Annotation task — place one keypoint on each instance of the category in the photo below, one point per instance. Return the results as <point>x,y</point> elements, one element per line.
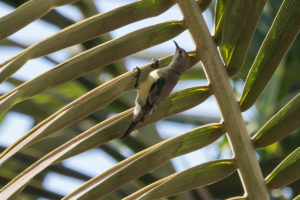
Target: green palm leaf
<point>73,117</point>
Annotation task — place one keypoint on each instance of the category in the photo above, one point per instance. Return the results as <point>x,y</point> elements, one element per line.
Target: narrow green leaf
<point>235,26</point>
<point>221,7</point>
<point>173,104</point>
<point>281,35</point>
<point>286,172</point>
<point>280,125</point>
<point>34,187</point>
<point>106,131</point>
<point>83,106</point>
<point>237,198</point>
<point>92,27</point>
<point>189,179</point>
<point>21,159</point>
<point>297,197</point>
<point>152,158</point>
<point>27,13</point>
<point>92,59</point>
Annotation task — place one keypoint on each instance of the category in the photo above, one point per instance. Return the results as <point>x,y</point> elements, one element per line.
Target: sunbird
<point>157,85</point>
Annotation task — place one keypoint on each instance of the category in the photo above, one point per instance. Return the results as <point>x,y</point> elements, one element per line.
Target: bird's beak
<point>177,47</point>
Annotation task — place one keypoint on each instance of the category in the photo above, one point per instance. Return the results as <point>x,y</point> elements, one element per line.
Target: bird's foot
<point>137,75</point>
<point>155,63</point>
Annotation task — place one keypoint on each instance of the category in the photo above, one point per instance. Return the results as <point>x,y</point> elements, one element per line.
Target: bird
<point>157,86</point>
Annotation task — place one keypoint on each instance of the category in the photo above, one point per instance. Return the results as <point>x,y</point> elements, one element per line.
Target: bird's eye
<point>180,51</point>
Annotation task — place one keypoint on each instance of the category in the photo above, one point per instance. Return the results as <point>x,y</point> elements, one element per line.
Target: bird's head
<point>181,57</point>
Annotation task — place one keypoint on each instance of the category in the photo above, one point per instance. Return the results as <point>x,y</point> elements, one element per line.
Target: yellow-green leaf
<point>147,160</point>
<point>83,106</point>
<point>89,60</point>
<point>286,172</point>
<point>281,35</point>
<point>27,13</point>
<point>106,131</point>
<point>189,179</point>
<point>91,27</point>
<point>280,125</point>
<point>235,25</point>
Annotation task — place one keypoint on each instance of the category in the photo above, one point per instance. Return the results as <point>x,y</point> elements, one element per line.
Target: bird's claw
<point>137,75</point>
<point>155,63</point>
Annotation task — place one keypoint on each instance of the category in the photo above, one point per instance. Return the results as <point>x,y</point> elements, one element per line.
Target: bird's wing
<point>155,90</point>
<point>152,100</point>
<point>150,105</point>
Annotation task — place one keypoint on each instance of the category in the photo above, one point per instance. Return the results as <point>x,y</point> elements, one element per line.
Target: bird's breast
<point>145,86</point>
<point>154,75</point>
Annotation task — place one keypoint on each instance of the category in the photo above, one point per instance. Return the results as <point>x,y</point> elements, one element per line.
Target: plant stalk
<point>243,151</point>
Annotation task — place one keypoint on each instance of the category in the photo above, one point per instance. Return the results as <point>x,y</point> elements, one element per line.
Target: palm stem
<point>243,150</point>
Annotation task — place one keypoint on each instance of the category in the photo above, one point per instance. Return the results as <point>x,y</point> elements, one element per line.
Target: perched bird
<point>158,85</point>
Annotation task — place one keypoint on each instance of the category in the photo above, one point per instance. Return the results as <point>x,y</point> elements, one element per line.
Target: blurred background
<point>63,178</point>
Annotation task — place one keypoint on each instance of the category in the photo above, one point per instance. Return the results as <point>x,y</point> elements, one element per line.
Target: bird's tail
<point>128,131</point>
